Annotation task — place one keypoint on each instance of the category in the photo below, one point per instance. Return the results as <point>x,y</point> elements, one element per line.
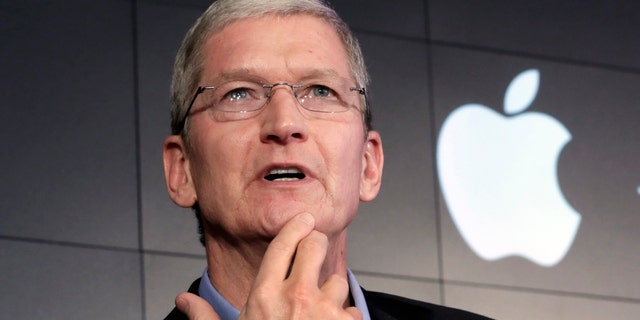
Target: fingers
<point>300,250</point>
<point>195,307</point>
<point>282,248</point>
<point>309,259</point>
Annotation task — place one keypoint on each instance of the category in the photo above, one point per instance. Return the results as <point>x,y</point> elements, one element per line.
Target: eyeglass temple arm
<point>360,90</point>
<point>186,114</point>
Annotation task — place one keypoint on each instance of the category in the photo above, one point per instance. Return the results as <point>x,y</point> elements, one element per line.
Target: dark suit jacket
<point>384,306</point>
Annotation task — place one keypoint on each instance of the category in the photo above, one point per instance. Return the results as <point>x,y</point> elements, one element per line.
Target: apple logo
<point>498,176</point>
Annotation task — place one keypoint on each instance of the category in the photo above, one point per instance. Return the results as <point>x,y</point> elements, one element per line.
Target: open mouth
<point>284,174</point>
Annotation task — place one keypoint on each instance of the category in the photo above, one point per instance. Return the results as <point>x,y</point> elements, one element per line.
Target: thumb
<point>195,307</point>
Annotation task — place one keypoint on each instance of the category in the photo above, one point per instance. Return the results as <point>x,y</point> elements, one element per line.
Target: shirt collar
<point>228,312</point>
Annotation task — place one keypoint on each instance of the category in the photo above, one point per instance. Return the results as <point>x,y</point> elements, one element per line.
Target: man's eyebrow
<point>236,74</point>
<point>319,73</point>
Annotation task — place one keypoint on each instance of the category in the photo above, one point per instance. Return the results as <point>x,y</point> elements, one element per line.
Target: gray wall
<point>88,231</point>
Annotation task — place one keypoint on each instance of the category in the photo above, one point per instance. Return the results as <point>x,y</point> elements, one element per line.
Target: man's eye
<point>236,94</point>
<point>321,91</point>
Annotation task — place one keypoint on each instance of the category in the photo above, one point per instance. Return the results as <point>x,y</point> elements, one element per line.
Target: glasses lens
<point>326,95</point>
<point>234,96</point>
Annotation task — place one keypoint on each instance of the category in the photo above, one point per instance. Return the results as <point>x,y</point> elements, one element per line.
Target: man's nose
<point>283,120</point>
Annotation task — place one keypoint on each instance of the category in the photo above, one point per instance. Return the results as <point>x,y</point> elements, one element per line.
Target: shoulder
<point>384,306</point>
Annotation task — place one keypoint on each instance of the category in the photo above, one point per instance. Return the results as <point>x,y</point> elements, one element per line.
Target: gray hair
<point>189,62</point>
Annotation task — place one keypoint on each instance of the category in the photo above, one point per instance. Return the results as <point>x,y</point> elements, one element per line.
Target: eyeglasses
<point>239,99</point>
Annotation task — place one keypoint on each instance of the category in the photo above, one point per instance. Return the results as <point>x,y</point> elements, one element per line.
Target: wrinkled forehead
<point>290,46</point>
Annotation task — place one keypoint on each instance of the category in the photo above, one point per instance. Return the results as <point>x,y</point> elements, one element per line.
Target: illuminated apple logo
<point>499,177</point>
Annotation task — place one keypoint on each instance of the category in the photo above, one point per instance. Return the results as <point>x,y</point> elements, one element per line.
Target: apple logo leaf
<point>521,91</point>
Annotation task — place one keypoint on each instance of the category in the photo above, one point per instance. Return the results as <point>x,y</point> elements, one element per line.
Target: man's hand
<point>283,290</point>
<point>282,294</point>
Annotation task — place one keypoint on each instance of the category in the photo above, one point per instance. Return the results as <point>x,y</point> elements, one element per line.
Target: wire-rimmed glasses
<point>240,99</point>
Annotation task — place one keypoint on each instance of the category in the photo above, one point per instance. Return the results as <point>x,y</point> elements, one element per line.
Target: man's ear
<point>372,163</point>
<point>177,172</point>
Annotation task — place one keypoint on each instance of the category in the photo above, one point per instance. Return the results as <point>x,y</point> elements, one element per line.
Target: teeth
<point>284,174</point>
<point>286,179</point>
<point>284,171</point>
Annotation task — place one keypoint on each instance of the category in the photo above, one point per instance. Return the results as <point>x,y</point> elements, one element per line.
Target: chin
<point>274,217</point>
<point>271,216</point>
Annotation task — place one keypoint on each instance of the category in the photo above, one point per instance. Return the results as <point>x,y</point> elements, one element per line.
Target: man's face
<point>228,162</point>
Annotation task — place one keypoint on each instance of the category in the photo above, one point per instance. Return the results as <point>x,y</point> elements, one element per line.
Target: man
<point>272,146</point>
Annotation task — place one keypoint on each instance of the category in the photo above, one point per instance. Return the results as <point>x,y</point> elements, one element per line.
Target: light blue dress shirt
<point>228,312</point>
